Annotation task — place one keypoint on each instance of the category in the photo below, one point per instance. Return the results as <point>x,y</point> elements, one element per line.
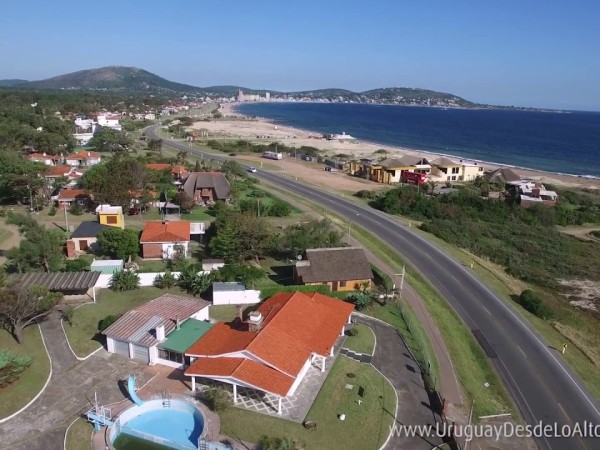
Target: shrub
<point>67,314</point>
<point>353,332</point>
<point>107,321</point>
<point>124,280</point>
<point>360,299</point>
<point>535,305</point>
<point>279,208</point>
<point>81,264</point>
<point>75,209</point>
<point>192,282</point>
<point>218,399</point>
<point>370,195</point>
<point>11,367</point>
<point>52,211</point>
<point>165,281</point>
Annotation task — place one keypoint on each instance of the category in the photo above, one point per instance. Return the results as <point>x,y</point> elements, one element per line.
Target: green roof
<point>189,332</point>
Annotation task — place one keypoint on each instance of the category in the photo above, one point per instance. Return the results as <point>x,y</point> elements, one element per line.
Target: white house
<point>83,159</point>
<point>160,331</point>
<point>109,121</point>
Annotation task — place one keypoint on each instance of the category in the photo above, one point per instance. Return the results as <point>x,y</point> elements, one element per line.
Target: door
<point>83,245</point>
<point>141,353</point>
<point>121,348</point>
<point>334,286</point>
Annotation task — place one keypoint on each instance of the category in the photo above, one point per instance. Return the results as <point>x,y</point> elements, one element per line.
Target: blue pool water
<point>169,424</point>
<point>178,425</point>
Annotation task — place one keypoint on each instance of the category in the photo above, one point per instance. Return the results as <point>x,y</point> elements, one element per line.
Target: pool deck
<point>164,381</point>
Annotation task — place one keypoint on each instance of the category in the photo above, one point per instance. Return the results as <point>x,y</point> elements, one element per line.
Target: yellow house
<point>341,268</point>
<point>447,170</point>
<point>389,171</point>
<point>111,216</point>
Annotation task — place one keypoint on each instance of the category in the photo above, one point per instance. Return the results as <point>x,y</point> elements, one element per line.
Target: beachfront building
<point>207,187</point>
<point>392,170</point>
<point>529,193</point>
<point>165,240</point>
<point>271,351</point>
<point>446,169</point>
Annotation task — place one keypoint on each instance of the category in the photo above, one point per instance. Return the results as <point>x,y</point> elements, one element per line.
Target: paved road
<point>544,388</point>
<point>393,360</point>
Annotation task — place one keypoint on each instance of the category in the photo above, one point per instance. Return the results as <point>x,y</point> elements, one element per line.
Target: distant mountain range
<point>134,80</point>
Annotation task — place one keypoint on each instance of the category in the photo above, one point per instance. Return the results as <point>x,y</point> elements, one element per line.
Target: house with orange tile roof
<point>275,347</point>
<point>178,172</point>
<point>83,158</point>
<point>53,173</point>
<point>165,239</point>
<point>68,197</point>
<point>49,160</point>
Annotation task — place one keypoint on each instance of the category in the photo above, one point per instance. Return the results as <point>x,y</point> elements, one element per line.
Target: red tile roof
<point>175,170</point>
<point>245,371</point>
<point>57,171</point>
<point>72,194</point>
<point>175,231</point>
<point>83,155</point>
<point>294,326</point>
<point>42,157</point>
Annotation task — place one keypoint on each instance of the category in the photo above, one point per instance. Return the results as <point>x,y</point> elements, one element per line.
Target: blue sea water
<point>566,143</point>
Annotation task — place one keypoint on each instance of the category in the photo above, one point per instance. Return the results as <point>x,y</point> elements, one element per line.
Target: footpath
<point>448,385</point>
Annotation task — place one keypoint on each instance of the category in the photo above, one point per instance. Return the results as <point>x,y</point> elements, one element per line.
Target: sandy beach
<point>236,126</point>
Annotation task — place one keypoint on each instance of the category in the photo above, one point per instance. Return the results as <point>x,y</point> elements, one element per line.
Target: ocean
<point>565,143</point>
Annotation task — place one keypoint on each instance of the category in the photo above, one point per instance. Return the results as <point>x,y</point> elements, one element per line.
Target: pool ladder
<point>166,403</point>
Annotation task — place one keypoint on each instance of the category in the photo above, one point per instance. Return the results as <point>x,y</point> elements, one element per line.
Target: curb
<point>6,419</point>
<point>67,338</point>
<point>395,412</point>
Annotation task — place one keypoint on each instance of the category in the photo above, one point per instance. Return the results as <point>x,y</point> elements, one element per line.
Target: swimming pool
<point>169,423</point>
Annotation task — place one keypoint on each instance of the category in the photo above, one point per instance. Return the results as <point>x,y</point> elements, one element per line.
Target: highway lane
<point>543,387</point>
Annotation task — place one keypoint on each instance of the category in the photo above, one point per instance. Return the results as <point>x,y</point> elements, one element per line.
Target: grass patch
<point>83,334</point>
<point>79,436</point>
<point>363,342</point>
<point>4,234</point>
<point>366,426</point>
<point>223,313</point>
<point>152,266</point>
<point>16,395</point>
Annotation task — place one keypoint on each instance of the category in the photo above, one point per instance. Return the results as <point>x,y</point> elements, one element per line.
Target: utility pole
<point>66,219</point>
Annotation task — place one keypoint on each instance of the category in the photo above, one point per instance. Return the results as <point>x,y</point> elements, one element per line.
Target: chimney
<point>255,320</point>
<point>89,154</point>
<point>177,323</point>
<point>240,313</point>
<point>44,154</point>
<point>160,333</point>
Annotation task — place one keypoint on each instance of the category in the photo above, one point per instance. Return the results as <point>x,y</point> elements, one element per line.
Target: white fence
<point>246,297</point>
<point>146,279</point>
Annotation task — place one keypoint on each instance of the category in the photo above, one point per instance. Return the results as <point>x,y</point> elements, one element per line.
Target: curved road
<point>544,388</point>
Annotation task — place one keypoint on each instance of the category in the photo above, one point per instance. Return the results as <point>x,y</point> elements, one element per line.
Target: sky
<point>525,53</point>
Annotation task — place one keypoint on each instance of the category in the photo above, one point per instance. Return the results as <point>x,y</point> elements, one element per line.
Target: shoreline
<point>365,147</point>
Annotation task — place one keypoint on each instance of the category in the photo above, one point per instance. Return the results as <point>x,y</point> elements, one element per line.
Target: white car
<point>252,169</point>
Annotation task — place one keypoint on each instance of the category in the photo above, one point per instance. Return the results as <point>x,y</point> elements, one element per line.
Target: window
<point>342,284</point>
<point>170,355</point>
<point>455,169</point>
<point>111,219</point>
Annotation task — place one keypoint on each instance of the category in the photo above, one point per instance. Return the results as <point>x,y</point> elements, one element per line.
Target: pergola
<point>69,283</point>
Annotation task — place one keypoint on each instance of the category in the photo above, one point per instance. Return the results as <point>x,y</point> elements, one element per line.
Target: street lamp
<point>485,385</point>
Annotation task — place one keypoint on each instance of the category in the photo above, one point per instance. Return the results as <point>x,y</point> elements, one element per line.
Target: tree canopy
<point>109,140</point>
<point>119,244</point>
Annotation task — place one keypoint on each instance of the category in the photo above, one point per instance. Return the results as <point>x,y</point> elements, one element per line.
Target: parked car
<point>252,169</point>
<point>134,211</point>
<point>233,154</point>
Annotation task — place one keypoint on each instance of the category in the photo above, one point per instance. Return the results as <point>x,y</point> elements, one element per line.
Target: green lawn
<point>79,436</point>
<point>152,266</point>
<point>83,334</point>
<point>19,393</point>
<point>363,342</point>
<point>366,425</point>
<point>222,313</point>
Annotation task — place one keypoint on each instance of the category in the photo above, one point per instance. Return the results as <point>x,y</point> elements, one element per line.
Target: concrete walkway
<point>393,360</point>
<point>72,386</point>
<point>448,385</point>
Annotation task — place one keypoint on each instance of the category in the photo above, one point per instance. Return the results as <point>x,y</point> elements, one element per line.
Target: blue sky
<point>530,53</point>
